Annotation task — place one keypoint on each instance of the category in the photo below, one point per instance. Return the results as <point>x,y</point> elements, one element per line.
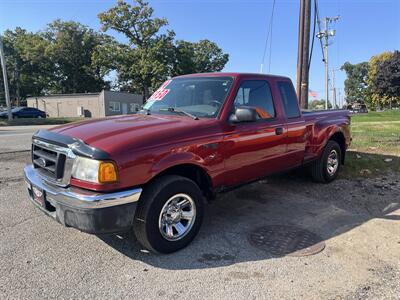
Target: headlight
<point>94,170</point>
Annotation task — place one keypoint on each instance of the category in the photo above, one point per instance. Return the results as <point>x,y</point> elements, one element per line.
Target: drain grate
<point>282,240</point>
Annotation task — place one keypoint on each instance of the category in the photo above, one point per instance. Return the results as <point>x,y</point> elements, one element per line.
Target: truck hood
<point>122,133</point>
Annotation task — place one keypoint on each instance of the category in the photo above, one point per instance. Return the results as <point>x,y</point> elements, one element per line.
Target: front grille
<point>48,161</point>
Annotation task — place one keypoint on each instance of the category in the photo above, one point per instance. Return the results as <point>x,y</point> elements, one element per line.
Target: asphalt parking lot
<point>358,220</point>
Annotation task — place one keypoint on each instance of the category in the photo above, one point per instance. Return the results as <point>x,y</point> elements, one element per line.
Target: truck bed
<point>320,114</point>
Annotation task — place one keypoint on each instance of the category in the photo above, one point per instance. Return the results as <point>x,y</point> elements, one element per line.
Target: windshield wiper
<point>179,111</point>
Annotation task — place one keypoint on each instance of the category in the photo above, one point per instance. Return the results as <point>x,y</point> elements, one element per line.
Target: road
<point>17,138</point>
<point>358,220</point>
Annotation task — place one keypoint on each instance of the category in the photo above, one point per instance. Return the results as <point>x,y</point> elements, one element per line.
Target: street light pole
<point>4,68</point>
<point>326,64</point>
<point>333,89</point>
<point>325,34</point>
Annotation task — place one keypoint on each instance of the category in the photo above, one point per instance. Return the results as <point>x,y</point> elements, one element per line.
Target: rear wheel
<point>327,167</point>
<point>169,214</point>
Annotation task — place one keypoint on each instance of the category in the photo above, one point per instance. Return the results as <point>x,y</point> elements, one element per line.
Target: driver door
<point>255,149</point>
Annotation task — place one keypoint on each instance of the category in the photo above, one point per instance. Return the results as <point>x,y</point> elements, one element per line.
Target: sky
<point>239,27</point>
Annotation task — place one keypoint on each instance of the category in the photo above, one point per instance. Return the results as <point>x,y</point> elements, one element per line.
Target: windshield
<point>199,96</point>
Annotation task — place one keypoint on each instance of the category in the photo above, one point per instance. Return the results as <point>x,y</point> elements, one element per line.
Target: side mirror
<point>244,114</point>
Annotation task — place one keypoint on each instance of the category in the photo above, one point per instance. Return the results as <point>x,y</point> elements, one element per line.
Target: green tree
<point>143,63</point>
<point>374,98</point>
<point>28,67</point>
<point>387,81</point>
<point>57,60</point>
<point>150,57</point>
<point>200,57</point>
<point>355,85</point>
<point>318,104</point>
<point>68,57</point>
<point>71,46</point>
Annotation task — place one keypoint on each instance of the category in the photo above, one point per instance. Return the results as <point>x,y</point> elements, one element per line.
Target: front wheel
<point>169,214</point>
<point>327,167</point>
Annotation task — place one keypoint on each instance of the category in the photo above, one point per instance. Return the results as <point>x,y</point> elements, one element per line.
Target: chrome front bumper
<point>88,211</point>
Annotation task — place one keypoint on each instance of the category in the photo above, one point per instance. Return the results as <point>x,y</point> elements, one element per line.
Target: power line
<point>319,28</point>
<point>270,47</point>
<point>338,37</point>
<point>269,32</point>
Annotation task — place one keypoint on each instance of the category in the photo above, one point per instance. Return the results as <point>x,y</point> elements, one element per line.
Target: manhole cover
<point>281,240</point>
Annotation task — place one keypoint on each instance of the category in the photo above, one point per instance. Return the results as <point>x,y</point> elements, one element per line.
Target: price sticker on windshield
<point>161,92</point>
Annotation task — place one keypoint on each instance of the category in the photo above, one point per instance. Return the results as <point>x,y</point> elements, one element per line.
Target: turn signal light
<point>107,172</point>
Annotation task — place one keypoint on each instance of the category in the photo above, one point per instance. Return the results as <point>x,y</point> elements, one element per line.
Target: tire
<point>320,170</point>
<point>15,117</point>
<point>156,207</point>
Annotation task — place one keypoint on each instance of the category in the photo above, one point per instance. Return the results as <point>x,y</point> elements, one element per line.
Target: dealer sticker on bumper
<point>38,195</point>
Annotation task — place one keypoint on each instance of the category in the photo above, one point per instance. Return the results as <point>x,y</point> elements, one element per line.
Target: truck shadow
<point>290,199</point>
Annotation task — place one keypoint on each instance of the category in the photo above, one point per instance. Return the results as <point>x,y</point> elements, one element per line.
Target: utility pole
<point>326,66</point>
<point>4,68</point>
<point>333,89</point>
<point>303,52</point>
<point>17,94</point>
<point>300,50</point>
<point>325,34</point>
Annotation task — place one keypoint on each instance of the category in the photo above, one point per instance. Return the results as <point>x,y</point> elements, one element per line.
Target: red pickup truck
<point>197,135</point>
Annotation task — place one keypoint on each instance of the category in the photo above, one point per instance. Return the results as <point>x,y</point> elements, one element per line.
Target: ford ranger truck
<point>196,136</point>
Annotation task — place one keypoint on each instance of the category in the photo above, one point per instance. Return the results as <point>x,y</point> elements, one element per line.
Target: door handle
<point>278,131</point>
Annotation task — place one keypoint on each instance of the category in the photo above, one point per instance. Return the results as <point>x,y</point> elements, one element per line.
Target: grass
<point>377,132</point>
<point>375,149</point>
<point>389,115</point>
<point>29,121</point>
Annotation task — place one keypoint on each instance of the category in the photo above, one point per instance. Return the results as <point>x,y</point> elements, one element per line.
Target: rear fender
<point>323,131</point>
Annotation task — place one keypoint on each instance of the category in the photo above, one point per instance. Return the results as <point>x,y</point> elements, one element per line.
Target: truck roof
<point>232,74</point>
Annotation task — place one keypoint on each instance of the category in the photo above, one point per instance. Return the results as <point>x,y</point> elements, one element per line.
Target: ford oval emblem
<point>41,162</point>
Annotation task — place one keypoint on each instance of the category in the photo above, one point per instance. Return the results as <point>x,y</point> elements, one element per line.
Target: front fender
<point>175,159</point>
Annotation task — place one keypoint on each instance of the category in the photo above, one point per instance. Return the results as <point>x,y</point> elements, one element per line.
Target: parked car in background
<point>357,107</point>
<point>24,112</point>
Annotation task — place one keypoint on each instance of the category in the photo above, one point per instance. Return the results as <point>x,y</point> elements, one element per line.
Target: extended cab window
<point>256,93</point>
<point>289,99</point>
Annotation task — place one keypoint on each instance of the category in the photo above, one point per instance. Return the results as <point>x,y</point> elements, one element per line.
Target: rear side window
<point>289,99</point>
<point>256,93</point>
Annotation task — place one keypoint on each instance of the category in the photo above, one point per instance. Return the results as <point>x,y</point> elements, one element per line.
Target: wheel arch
<point>193,172</point>
<point>339,138</point>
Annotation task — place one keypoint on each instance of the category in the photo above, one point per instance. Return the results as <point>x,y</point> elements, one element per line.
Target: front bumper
<point>88,211</point>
